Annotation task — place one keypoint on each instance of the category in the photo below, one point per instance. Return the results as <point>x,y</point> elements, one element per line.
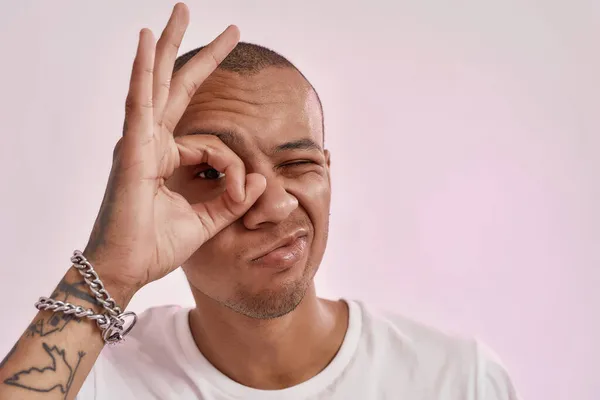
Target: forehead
<point>265,109</point>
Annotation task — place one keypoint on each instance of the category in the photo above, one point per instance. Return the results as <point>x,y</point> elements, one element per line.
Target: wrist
<point>121,294</point>
<point>79,293</point>
<point>119,285</point>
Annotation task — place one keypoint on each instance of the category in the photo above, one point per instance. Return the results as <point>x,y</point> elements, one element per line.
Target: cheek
<point>314,195</point>
<point>225,248</point>
<point>210,265</point>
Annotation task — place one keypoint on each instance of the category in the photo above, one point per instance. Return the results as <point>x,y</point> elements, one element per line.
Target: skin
<point>156,216</point>
<point>259,113</point>
<point>269,315</point>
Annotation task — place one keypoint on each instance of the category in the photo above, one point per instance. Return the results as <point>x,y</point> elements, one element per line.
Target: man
<point>222,170</point>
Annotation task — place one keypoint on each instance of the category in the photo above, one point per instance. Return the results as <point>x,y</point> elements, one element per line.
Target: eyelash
<point>222,175</point>
<point>300,162</point>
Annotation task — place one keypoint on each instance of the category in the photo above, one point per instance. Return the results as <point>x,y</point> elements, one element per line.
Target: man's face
<point>273,122</point>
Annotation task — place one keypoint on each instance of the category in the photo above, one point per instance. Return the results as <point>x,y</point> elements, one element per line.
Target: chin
<point>268,303</point>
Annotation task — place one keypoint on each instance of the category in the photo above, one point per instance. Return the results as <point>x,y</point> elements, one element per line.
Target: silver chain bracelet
<point>111,323</point>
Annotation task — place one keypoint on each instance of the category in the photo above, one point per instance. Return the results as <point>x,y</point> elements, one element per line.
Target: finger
<point>138,105</point>
<point>200,149</point>
<point>187,80</point>
<point>166,53</point>
<point>222,211</point>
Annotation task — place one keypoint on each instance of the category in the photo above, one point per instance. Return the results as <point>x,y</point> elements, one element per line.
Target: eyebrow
<point>300,144</point>
<point>227,137</point>
<point>232,139</point>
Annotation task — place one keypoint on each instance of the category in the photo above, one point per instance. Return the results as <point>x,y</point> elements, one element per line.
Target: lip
<point>284,253</point>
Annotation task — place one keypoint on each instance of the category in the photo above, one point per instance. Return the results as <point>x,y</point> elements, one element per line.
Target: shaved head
<point>249,59</point>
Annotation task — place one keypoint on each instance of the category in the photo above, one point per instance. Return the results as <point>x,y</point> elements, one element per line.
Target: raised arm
<point>143,230</point>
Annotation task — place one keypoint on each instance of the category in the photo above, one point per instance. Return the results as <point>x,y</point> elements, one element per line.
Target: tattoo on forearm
<point>56,376</point>
<point>45,326</point>
<point>56,322</point>
<point>78,290</point>
<point>10,353</point>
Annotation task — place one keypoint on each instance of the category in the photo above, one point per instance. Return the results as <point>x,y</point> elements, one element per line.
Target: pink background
<point>465,140</point>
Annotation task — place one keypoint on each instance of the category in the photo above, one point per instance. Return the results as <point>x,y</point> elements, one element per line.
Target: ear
<point>328,158</point>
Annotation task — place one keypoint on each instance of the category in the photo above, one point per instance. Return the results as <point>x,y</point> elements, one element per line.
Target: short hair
<point>248,59</point>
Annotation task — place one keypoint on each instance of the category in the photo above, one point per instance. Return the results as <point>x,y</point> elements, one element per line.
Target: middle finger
<point>188,79</point>
<point>166,53</point>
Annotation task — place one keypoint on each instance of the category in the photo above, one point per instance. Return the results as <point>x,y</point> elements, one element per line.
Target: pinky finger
<point>138,105</point>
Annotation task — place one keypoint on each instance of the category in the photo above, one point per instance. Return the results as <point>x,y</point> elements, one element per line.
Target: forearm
<point>57,351</point>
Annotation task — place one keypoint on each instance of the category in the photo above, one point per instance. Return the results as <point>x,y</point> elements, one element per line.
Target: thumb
<point>222,211</point>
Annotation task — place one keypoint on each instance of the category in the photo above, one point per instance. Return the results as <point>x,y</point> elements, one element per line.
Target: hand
<point>144,230</point>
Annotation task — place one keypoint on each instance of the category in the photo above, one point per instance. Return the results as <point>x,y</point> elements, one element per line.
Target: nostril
<point>273,206</point>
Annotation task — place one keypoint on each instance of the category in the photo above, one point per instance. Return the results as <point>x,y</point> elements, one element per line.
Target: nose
<point>272,207</point>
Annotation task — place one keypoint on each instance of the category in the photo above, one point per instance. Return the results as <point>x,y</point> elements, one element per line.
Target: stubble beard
<point>272,303</point>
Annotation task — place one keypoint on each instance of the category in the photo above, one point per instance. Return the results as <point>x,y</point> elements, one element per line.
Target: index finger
<point>211,150</point>
<point>187,80</point>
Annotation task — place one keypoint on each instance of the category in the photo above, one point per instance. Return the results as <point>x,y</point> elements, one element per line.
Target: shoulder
<point>155,329</point>
<point>495,381</point>
<point>154,341</point>
<point>157,320</point>
<point>434,356</point>
<point>416,337</point>
<point>152,348</point>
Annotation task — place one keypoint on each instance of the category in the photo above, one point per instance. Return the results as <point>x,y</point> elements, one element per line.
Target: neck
<point>284,351</point>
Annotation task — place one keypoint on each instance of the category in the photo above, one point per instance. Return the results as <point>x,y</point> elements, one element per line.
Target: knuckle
<point>167,125</point>
<point>165,43</point>
<point>139,67</point>
<point>211,140</point>
<point>209,152</point>
<point>190,88</point>
<point>211,57</point>
<point>166,84</point>
<point>149,103</point>
<point>206,222</point>
<point>117,149</point>
<point>132,104</point>
<point>129,103</point>
<point>129,109</point>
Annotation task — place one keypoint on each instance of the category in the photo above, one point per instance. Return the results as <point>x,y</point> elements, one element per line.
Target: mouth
<point>285,252</point>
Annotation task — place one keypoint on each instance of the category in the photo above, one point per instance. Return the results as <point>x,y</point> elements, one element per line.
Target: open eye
<point>210,174</point>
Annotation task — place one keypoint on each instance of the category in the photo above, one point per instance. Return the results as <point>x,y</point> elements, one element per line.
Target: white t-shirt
<point>382,357</point>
